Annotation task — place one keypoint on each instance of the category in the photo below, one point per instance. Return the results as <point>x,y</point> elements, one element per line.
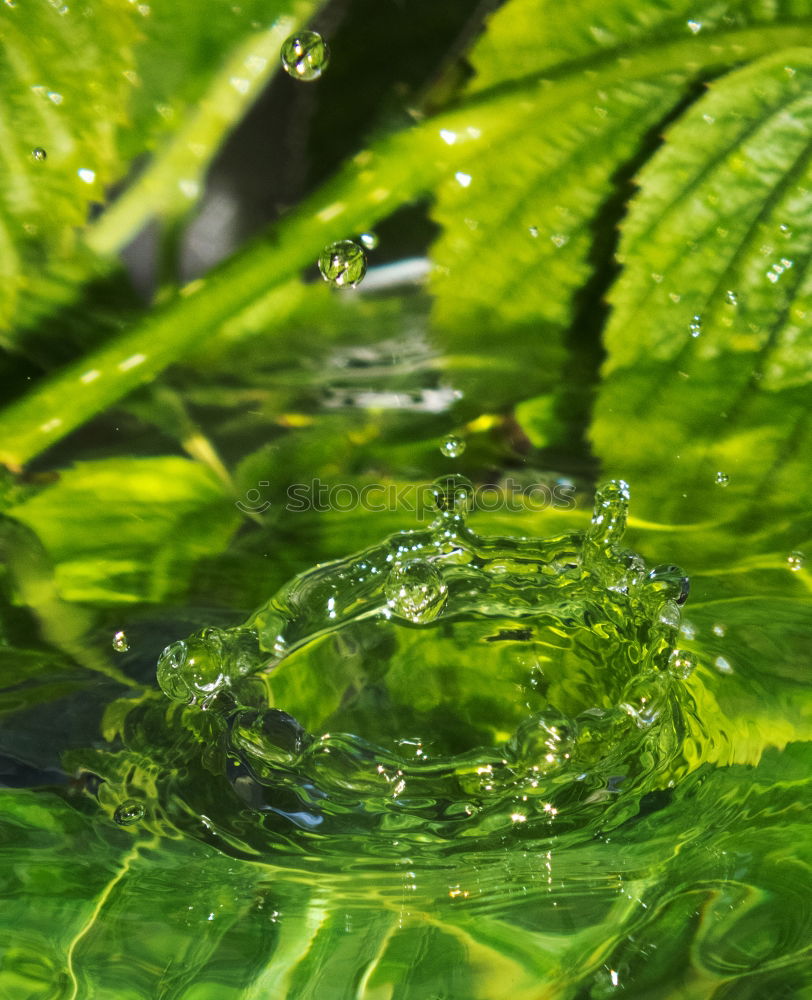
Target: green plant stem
<point>397,169</point>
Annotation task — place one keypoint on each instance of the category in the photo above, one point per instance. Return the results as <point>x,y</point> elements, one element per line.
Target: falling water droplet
<point>695,326</point>
<point>39,154</point>
<point>681,664</point>
<point>671,582</point>
<point>609,514</point>
<point>453,495</point>
<point>796,561</point>
<point>343,264</point>
<point>305,55</point>
<point>415,590</point>
<point>120,642</point>
<point>129,812</point>
<point>722,479</point>
<point>452,447</point>
<point>369,240</point>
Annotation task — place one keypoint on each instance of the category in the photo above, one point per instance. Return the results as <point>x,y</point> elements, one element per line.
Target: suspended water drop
<point>369,240</point>
<point>695,326</point>
<point>39,154</point>
<point>305,55</point>
<point>796,560</point>
<point>609,514</point>
<point>671,582</point>
<point>722,479</point>
<point>453,495</point>
<point>129,812</point>
<point>120,642</point>
<point>415,590</point>
<point>681,664</point>
<point>343,264</point>
<point>452,447</point>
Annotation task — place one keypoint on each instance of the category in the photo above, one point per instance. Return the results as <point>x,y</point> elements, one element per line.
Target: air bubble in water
<point>120,642</point>
<point>343,264</point>
<point>453,495</point>
<point>369,240</point>
<point>416,591</point>
<point>452,447</point>
<point>722,479</point>
<point>129,812</point>
<point>671,582</point>
<point>796,561</point>
<point>39,154</point>
<point>305,55</point>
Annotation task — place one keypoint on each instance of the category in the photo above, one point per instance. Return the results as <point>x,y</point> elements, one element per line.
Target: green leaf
<point>527,221</point>
<point>129,530</point>
<point>707,373</point>
<point>143,71</point>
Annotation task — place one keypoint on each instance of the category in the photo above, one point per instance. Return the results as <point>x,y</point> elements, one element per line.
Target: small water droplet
<point>129,812</point>
<point>343,264</point>
<point>796,561</point>
<point>39,154</point>
<point>695,326</point>
<point>681,664</point>
<point>415,590</point>
<point>719,629</point>
<point>120,642</point>
<point>785,230</point>
<point>533,230</point>
<point>305,55</point>
<point>723,665</point>
<point>694,27</point>
<point>731,298</point>
<point>453,495</point>
<point>671,582</point>
<point>369,240</point>
<point>722,479</point>
<point>452,447</point>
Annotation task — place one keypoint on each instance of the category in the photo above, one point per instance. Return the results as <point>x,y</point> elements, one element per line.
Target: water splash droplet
<point>681,664</point>
<point>671,582</point>
<point>453,495</point>
<point>343,264</point>
<point>39,154</point>
<point>722,479</point>
<point>695,326</point>
<point>129,812</point>
<point>369,240</point>
<point>452,447</point>
<point>305,55</point>
<point>415,590</point>
<point>609,514</point>
<point>796,561</point>
<point>641,700</point>
<point>120,642</point>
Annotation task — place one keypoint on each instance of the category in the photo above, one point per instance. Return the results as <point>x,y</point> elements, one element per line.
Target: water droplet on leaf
<point>452,447</point>
<point>796,561</point>
<point>416,591</point>
<point>695,326</point>
<point>120,642</point>
<point>731,298</point>
<point>129,812</point>
<point>343,264</point>
<point>722,479</point>
<point>39,154</point>
<point>305,55</point>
